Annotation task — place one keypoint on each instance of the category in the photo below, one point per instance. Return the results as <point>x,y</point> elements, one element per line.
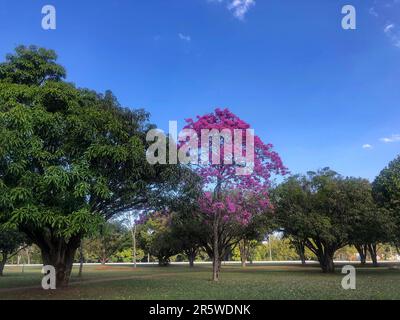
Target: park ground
<point>257,282</point>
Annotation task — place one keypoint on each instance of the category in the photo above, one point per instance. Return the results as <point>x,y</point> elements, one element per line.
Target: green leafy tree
<point>69,158</point>
<point>155,237</point>
<point>386,192</point>
<point>251,234</point>
<point>126,255</point>
<point>370,225</point>
<point>189,230</point>
<point>11,242</point>
<point>319,210</point>
<point>111,238</point>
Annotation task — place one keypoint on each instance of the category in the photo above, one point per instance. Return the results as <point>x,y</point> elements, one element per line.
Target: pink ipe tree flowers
<point>231,198</point>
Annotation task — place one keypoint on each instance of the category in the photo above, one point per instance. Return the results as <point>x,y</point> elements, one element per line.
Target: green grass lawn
<point>181,282</point>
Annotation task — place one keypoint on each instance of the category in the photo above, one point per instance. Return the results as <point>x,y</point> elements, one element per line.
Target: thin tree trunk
<point>28,255</point>
<point>191,262</point>
<point>300,249</point>
<point>81,259</point>
<point>243,252</point>
<point>3,263</point>
<point>103,258</point>
<point>362,251</point>
<point>270,248</point>
<point>216,257</point>
<point>302,257</point>
<point>373,253</point>
<point>191,254</point>
<point>133,231</point>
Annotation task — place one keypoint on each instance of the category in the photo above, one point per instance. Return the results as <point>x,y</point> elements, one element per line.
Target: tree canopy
<point>326,211</point>
<point>386,192</point>
<point>70,158</point>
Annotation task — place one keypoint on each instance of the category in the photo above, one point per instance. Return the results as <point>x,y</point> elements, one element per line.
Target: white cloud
<point>392,31</point>
<point>384,11</point>
<point>391,139</point>
<point>239,8</point>
<point>373,12</point>
<point>184,37</point>
<point>367,146</point>
<point>388,28</point>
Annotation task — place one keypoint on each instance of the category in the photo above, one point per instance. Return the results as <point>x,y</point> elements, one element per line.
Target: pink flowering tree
<point>236,167</point>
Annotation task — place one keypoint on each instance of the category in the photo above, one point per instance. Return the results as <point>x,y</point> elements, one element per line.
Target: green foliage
<point>386,191</point>
<point>111,239</point>
<point>155,237</point>
<point>308,207</point>
<point>370,223</point>
<point>31,66</point>
<point>126,255</point>
<point>70,158</point>
<point>327,211</point>
<point>10,241</point>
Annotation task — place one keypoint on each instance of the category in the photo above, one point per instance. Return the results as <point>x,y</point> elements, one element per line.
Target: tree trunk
<point>362,251</point>
<point>191,262</point>
<point>243,252</point>
<point>103,258</point>
<point>3,263</point>
<point>326,262</point>
<point>302,257</point>
<point>28,255</point>
<point>133,231</point>
<point>60,254</point>
<point>163,261</point>
<point>216,256</point>
<point>81,259</point>
<point>373,253</point>
<point>191,256</point>
<point>300,249</point>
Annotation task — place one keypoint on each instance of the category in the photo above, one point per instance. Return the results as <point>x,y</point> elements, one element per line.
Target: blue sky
<point>317,92</point>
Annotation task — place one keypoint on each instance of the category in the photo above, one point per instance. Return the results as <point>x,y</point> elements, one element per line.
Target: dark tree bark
<point>324,254</point>
<point>191,254</point>
<point>372,248</point>
<point>57,252</point>
<point>362,251</point>
<point>327,264</point>
<point>163,261</point>
<point>81,259</point>
<point>300,248</point>
<point>103,258</point>
<point>302,257</point>
<point>3,263</point>
<point>62,259</point>
<point>216,253</point>
<point>60,254</point>
<point>133,232</point>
